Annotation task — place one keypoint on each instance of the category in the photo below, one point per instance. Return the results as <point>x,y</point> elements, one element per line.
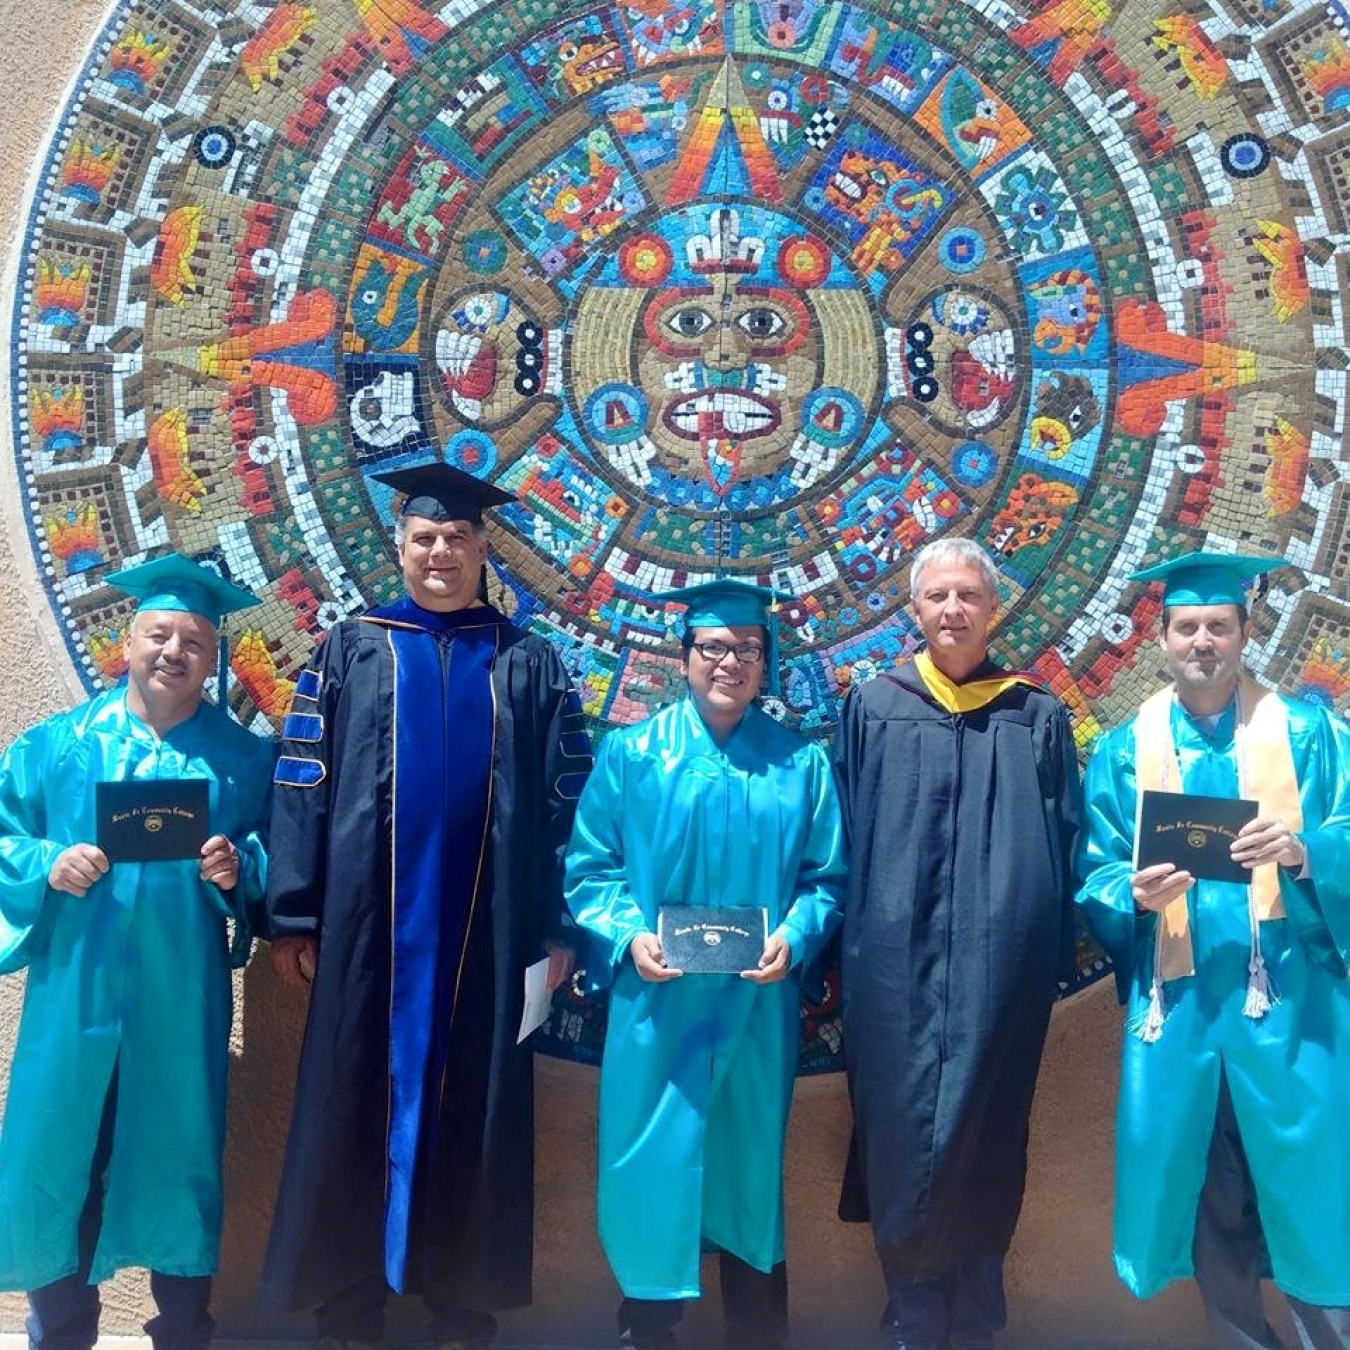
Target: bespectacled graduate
<point>710,802</point>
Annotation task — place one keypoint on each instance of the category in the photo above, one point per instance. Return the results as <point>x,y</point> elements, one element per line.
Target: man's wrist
<point>1301,862</point>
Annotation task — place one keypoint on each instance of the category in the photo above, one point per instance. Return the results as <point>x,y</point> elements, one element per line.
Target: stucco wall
<point>1062,1290</point>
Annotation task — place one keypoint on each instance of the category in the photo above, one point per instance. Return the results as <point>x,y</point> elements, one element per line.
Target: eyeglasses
<point>747,653</point>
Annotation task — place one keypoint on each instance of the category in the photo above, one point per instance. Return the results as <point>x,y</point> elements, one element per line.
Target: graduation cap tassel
<point>1149,1027</point>
<point>1151,1030</point>
<point>1261,992</point>
<point>1261,997</point>
<point>223,676</point>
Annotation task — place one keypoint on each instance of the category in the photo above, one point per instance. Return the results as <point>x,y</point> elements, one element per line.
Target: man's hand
<point>294,960</point>
<point>1156,887</point>
<point>561,959</point>
<point>647,957</point>
<point>77,868</point>
<point>774,964</point>
<point>220,862</point>
<point>1267,840</point>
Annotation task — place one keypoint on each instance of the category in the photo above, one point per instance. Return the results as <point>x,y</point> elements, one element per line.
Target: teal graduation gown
<point>1289,1073</point>
<point>135,975</point>
<point>696,1080</point>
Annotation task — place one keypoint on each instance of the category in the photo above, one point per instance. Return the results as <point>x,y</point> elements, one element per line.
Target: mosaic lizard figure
<point>418,213</point>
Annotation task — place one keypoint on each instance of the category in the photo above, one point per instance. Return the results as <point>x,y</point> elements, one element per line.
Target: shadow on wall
<point>1063,1293</point>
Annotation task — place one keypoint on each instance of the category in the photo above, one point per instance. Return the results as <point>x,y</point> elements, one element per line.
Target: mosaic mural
<point>780,288</point>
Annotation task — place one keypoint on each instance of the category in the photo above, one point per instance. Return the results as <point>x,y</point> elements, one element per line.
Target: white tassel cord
<point>1261,992</point>
<point>1149,1027</point>
<point>1262,995</point>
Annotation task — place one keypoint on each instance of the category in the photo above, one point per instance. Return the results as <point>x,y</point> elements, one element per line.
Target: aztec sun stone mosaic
<point>783,290</point>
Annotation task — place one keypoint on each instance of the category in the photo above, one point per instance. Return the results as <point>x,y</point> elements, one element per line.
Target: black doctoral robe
<point>470,1219</point>
<point>957,930</point>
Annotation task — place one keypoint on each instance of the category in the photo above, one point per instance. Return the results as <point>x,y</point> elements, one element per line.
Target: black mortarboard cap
<point>440,492</point>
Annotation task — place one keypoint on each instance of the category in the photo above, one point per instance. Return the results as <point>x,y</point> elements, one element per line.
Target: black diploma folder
<point>712,939</point>
<point>152,820</point>
<point>1194,833</point>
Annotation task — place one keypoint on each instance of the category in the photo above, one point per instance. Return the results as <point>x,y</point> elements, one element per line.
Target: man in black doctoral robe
<point>424,797</point>
<point>960,792</point>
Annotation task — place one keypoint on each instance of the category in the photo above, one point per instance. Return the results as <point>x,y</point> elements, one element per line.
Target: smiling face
<point>954,607</point>
<point>722,690</point>
<point>1203,646</point>
<point>442,561</point>
<point>169,656</point>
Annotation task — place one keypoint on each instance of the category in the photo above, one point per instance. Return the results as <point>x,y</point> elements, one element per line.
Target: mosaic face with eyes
<point>726,361</point>
<point>740,329</point>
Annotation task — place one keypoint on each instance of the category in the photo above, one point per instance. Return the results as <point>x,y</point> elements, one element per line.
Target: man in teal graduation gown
<point>1235,1086</point>
<point>709,802</point>
<point>111,1148</point>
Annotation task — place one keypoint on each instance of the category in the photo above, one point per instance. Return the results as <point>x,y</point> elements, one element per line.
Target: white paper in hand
<point>538,1000</point>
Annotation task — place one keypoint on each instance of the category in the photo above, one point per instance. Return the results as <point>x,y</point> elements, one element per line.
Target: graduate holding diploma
<point>1235,1087</point>
<point>709,803</point>
<point>115,1122</point>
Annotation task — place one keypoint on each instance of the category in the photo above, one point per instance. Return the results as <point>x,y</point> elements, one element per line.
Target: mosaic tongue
<point>721,456</point>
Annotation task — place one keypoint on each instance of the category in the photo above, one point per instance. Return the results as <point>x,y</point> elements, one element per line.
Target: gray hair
<point>954,551</point>
<point>401,530</point>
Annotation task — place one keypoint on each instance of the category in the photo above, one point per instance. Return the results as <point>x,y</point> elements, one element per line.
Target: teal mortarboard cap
<point>441,492</point>
<point>729,603</point>
<point>174,582</point>
<point>1202,578</point>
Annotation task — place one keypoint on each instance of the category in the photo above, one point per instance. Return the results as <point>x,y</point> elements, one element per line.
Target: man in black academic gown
<point>960,791</point>
<point>424,796</point>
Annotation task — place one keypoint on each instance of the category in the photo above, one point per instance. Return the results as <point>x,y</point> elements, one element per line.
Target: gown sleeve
<point>596,882</point>
<point>567,764</point>
<point>816,909</point>
<point>26,853</point>
<point>844,758</point>
<point>1320,905</point>
<point>1065,812</point>
<point>1106,858</point>
<point>301,795</point>
<point>249,899</point>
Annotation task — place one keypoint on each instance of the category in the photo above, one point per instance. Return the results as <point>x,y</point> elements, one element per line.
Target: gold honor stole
<point>975,694</point>
<point>1265,772</point>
